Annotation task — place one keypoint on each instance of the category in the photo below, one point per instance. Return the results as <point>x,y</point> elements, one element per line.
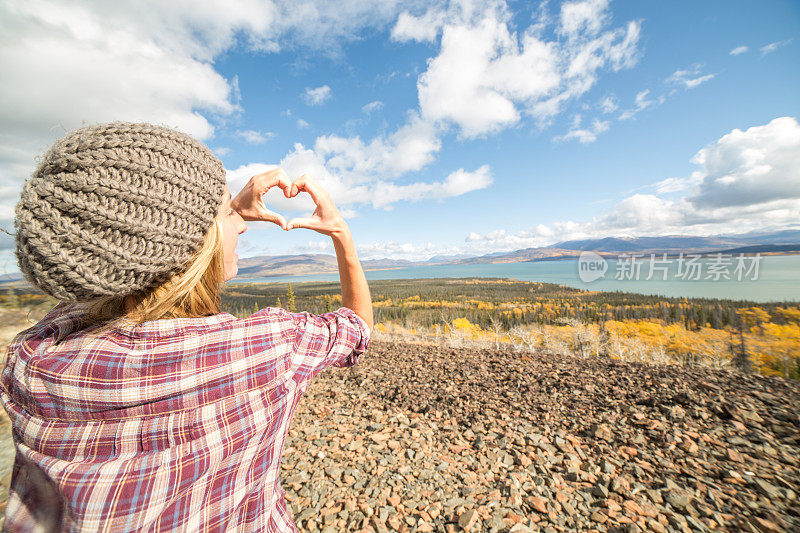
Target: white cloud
<point>74,63</point>
<point>317,247</point>
<point>760,164</point>
<point>348,188</point>
<point>500,240</point>
<point>481,73</point>
<point>221,151</point>
<point>383,194</point>
<point>301,124</point>
<point>584,135</point>
<point>255,137</point>
<point>372,106</point>
<point>408,149</point>
<point>423,28</point>
<point>608,105</point>
<point>642,102</point>
<point>318,95</point>
<point>670,185</point>
<point>739,50</point>
<point>771,47</point>
<point>747,180</point>
<point>583,18</point>
<point>352,190</point>
<point>640,213</point>
<point>690,78</point>
<point>485,75</point>
<point>404,250</point>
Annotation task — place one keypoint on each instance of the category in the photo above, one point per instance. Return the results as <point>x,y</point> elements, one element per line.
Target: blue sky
<point>438,127</point>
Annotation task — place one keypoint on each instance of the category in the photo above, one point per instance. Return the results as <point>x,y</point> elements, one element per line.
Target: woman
<point>136,403</point>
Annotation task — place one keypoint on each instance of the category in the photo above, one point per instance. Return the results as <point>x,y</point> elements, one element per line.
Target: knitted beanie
<point>116,208</point>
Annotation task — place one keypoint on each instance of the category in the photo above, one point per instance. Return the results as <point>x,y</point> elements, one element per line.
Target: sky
<point>439,128</point>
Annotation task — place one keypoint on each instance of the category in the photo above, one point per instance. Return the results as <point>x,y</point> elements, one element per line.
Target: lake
<point>763,279</point>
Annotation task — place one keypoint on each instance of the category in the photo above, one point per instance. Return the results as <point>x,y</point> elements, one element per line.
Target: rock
<point>620,485</point>
<point>539,504</point>
<point>607,466</point>
<point>734,456</point>
<point>765,488</point>
<point>612,505</point>
<point>424,527</point>
<point>689,446</point>
<point>600,490</point>
<point>467,520</point>
<point>377,525</point>
<point>765,525</point>
<point>656,526</point>
<point>676,412</point>
<point>677,498</point>
<point>602,431</point>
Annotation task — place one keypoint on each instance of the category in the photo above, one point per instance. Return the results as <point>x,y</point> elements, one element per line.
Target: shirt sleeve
<point>336,338</point>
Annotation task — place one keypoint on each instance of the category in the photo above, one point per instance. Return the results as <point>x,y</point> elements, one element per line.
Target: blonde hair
<point>190,294</point>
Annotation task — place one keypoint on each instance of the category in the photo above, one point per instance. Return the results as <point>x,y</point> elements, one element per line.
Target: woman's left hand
<point>248,202</point>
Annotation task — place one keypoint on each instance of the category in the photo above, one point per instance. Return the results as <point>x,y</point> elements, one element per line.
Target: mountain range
<point>785,241</point>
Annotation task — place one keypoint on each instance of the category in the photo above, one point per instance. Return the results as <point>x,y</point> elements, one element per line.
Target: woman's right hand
<point>326,218</point>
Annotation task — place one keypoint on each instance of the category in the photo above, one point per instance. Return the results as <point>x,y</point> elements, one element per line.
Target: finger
<point>303,222</point>
<point>271,178</point>
<point>308,184</point>
<point>272,216</point>
<point>282,179</point>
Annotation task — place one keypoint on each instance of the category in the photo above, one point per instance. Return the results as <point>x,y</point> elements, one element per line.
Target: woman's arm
<point>355,290</point>
<point>327,220</point>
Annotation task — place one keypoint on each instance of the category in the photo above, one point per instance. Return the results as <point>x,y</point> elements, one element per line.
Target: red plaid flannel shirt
<point>175,424</point>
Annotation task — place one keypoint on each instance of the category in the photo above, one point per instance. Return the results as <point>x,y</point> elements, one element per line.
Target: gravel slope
<point>424,438</point>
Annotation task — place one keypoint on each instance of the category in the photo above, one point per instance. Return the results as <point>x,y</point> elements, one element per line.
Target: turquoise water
<point>777,280</point>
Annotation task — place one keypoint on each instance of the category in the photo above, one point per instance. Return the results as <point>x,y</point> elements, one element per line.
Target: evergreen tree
<point>740,358</point>
<point>328,303</point>
<point>290,299</point>
<point>278,303</point>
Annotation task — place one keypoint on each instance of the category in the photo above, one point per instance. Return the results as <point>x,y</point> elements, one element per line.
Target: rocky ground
<point>426,438</point>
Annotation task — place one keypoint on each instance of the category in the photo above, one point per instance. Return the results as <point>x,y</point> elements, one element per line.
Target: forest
<point>529,315</point>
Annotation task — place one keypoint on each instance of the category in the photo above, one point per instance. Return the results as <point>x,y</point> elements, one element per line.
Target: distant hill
<point>789,236</point>
<point>762,249</point>
<point>650,244</point>
<point>671,243</point>
<point>265,266</point>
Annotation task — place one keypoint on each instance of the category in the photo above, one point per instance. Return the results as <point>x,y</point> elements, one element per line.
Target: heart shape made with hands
<point>269,215</point>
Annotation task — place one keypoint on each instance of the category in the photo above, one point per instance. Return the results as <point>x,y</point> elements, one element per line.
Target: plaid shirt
<point>175,424</point>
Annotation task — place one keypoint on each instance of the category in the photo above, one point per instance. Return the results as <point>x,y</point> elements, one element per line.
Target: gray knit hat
<point>116,208</point>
